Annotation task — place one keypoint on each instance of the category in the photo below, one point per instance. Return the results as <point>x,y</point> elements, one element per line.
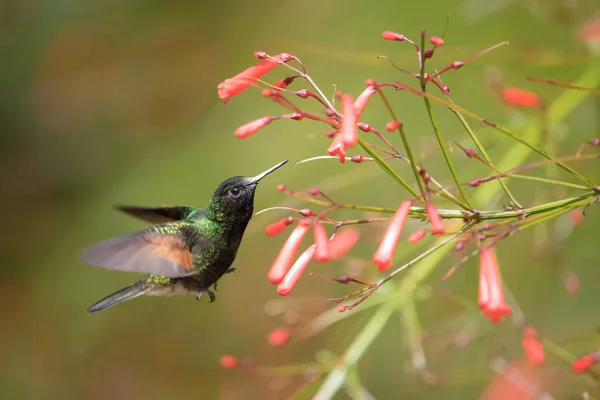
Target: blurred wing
<point>161,214</point>
<point>148,251</point>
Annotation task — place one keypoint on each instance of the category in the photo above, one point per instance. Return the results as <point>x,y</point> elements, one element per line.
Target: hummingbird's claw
<point>211,295</point>
<point>230,270</point>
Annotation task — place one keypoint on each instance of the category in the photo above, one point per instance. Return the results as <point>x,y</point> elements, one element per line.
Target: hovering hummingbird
<point>187,251</point>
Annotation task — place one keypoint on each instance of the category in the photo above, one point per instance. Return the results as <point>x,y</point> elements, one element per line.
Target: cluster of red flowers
<point>286,273</point>
<point>288,268</point>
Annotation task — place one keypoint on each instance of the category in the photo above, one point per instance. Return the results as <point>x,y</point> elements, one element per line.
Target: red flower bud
<point>286,255</point>
<point>322,242</point>
<point>533,349</point>
<point>278,337</point>
<point>385,252</point>
<point>388,35</point>
<point>290,280</point>
<point>228,361</point>
<point>516,97</point>
<point>436,41</point>
<point>416,236</point>
<point>572,283</point>
<point>576,216</point>
<point>584,363</point>
<point>392,125</point>
<point>283,83</point>
<point>252,127</point>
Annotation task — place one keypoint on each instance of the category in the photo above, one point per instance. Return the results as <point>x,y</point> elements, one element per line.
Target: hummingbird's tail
<point>127,293</point>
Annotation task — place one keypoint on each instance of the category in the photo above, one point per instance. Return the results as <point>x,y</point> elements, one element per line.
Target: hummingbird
<point>187,250</point>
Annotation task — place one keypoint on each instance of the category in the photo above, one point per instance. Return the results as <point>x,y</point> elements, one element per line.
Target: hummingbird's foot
<point>210,293</point>
<point>230,270</point>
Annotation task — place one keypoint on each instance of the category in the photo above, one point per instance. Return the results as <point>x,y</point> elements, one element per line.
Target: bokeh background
<point>115,102</point>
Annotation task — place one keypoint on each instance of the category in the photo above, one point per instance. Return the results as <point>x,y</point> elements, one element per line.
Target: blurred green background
<point>114,102</point>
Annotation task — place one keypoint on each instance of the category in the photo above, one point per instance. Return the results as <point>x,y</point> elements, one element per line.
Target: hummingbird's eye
<point>235,192</point>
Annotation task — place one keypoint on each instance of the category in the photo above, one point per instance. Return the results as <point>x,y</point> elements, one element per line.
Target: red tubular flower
<point>385,252</point>
<point>242,81</point>
<point>252,127</point>
<point>290,280</point>
<point>278,337</point>
<point>361,101</point>
<point>416,236</point>
<point>533,349</point>
<point>342,242</point>
<point>228,361</point>
<point>348,133</point>
<point>495,307</point>
<point>321,242</point>
<point>286,255</point>
<point>484,290</point>
<point>516,97</point>
<point>437,226</point>
<point>584,363</point>
<point>278,226</point>
<point>338,147</point>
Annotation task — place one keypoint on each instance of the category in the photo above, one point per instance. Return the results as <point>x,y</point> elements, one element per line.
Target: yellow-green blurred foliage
<point>112,102</point>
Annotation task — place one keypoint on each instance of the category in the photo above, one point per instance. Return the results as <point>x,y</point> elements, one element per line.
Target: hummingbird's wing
<point>159,250</point>
<point>160,214</point>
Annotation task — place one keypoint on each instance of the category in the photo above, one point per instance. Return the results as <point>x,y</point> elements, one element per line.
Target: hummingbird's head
<point>235,196</point>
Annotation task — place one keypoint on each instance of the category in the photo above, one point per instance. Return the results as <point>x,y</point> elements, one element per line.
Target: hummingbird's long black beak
<point>267,172</point>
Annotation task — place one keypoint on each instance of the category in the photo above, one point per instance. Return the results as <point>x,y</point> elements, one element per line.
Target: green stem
<point>409,154</point>
<point>387,168</point>
<point>484,153</point>
<point>415,211</point>
<point>436,128</point>
<point>445,152</point>
<point>506,131</point>
<point>546,180</point>
<point>410,319</point>
<point>354,352</point>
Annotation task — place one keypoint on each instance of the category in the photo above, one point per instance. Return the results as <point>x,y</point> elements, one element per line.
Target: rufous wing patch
<point>146,251</point>
<point>172,248</point>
